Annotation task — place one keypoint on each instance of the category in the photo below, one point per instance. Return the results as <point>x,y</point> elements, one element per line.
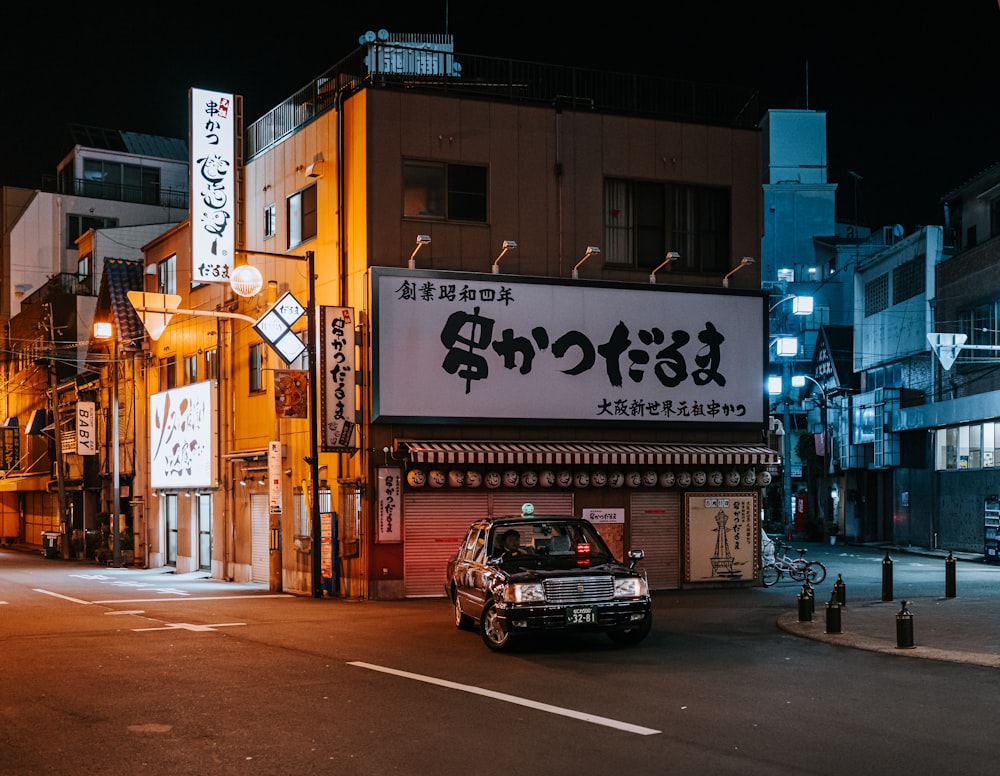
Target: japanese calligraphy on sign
<point>10,448</point>
<point>721,537</point>
<point>337,365</point>
<point>213,186</point>
<point>390,503</point>
<point>452,346</point>
<point>183,438</point>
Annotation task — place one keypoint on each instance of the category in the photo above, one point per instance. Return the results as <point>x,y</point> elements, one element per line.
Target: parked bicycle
<point>799,569</point>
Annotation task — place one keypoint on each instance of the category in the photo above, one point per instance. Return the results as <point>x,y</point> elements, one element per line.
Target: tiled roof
<point>121,276</point>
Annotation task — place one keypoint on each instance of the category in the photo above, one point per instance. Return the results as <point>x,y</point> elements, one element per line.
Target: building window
<point>256,367</point>
<point>877,295</point>
<point>908,280</point>
<point>166,275</point>
<point>190,369</point>
<point>302,216</point>
<point>103,179</point>
<point>77,225</point>
<point>645,220</point>
<point>452,192</point>
<point>85,274</point>
<point>168,372</point>
<point>270,220</point>
<point>980,327</point>
<point>972,446</point>
<point>212,364</point>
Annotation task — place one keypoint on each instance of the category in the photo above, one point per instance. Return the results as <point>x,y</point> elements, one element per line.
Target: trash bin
<point>50,543</point>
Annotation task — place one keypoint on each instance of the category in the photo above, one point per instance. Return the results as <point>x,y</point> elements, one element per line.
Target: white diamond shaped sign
<point>275,328</point>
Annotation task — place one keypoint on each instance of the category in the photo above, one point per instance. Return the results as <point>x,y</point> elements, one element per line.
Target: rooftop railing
<point>398,67</point>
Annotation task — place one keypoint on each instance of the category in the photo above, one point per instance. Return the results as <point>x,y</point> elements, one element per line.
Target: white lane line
<point>194,598</point>
<point>64,597</point>
<point>500,696</point>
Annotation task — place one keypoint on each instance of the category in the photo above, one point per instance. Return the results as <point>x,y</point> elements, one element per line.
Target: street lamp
<point>104,330</point>
<point>798,381</point>
<point>745,261</point>
<point>315,522</point>
<point>671,256</point>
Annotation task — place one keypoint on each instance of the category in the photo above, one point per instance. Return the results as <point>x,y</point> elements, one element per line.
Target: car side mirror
<point>635,556</point>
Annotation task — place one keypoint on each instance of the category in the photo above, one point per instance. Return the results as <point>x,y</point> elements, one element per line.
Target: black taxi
<point>533,573</point>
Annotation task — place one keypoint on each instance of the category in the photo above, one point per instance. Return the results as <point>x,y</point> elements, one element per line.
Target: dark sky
<point>911,95</point>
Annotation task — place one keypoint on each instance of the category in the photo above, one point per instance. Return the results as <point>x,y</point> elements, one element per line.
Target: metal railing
<point>175,199</point>
<point>377,66</point>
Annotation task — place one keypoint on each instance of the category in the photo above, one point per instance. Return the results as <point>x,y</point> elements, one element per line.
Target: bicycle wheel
<point>816,572</point>
<point>797,571</point>
<point>770,574</point>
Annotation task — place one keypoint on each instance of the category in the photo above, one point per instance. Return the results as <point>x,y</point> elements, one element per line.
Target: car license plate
<point>580,615</point>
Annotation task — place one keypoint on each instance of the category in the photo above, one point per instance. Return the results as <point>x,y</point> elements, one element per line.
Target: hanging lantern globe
<point>246,280</point>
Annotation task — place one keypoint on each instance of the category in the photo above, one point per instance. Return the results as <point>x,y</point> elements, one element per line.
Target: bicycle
<point>799,569</point>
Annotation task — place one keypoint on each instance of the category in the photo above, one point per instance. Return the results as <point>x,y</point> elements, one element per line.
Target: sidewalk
<point>962,629</point>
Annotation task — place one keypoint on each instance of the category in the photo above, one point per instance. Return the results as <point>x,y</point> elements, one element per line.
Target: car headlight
<point>631,587</point>
<point>523,593</point>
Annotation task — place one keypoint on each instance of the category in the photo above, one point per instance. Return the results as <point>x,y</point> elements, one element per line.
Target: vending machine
<point>991,522</point>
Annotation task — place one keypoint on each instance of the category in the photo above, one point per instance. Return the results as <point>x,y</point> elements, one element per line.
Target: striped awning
<point>588,453</point>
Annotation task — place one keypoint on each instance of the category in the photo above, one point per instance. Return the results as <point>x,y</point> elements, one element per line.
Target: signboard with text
<point>337,366</point>
<point>471,347</point>
<point>213,185</point>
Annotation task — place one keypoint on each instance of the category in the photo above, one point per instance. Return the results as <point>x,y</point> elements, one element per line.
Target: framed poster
<point>722,536</point>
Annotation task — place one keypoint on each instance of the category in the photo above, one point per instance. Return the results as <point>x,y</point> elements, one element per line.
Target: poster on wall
<point>388,529</point>
<point>721,531</point>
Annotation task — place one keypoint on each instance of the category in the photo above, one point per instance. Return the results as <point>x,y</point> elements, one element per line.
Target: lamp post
<point>107,330</point>
<point>798,381</point>
<point>315,521</point>
<point>788,349</point>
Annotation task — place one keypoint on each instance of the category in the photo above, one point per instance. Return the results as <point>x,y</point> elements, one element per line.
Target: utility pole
<point>67,529</point>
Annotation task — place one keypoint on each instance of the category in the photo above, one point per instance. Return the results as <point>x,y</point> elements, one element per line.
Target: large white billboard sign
<point>213,186</point>
<point>471,347</point>
<point>183,437</point>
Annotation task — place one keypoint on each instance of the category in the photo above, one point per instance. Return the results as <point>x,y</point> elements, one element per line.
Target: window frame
<point>445,191</point>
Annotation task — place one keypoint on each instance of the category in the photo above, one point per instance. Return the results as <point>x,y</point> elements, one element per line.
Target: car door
<point>469,568</point>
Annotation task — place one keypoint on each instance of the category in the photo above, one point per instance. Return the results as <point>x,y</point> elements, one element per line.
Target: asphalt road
<point>107,670</point>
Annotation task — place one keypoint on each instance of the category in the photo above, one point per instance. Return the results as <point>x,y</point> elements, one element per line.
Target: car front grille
<point>579,590</point>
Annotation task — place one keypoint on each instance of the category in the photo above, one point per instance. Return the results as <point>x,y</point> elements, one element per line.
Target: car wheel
<point>493,630</point>
<point>462,621</point>
<point>633,635</point>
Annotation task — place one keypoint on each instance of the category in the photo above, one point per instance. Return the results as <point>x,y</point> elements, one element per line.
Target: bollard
<point>833,614</point>
<point>949,576</point>
<point>887,577</point>
<point>810,593</point>
<point>805,606</point>
<point>904,627</point>
<point>840,590</point>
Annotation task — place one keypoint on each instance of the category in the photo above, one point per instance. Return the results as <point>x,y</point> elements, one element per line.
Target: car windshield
<point>541,538</point>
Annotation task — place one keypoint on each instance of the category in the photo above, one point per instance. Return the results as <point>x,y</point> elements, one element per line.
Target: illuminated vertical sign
<point>86,428</point>
<point>274,476</point>
<point>336,325</point>
<point>213,186</point>
<point>389,519</point>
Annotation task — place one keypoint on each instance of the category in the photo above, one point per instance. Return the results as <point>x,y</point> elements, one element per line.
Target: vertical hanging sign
<point>388,529</point>
<point>337,365</point>
<point>213,186</point>
<point>86,429</point>
<point>274,476</point>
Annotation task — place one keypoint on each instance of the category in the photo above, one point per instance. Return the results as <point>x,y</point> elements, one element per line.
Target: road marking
<point>195,598</point>
<point>190,627</point>
<point>64,597</point>
<point>500,696</point>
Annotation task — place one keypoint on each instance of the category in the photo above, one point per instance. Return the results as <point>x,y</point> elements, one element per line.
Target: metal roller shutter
<point>510,503</point>
<point>260,544</point>
<point>433,526</point>
<point>655,520</point>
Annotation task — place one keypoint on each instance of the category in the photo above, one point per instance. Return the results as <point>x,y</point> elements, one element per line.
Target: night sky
<point>911,98</point>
